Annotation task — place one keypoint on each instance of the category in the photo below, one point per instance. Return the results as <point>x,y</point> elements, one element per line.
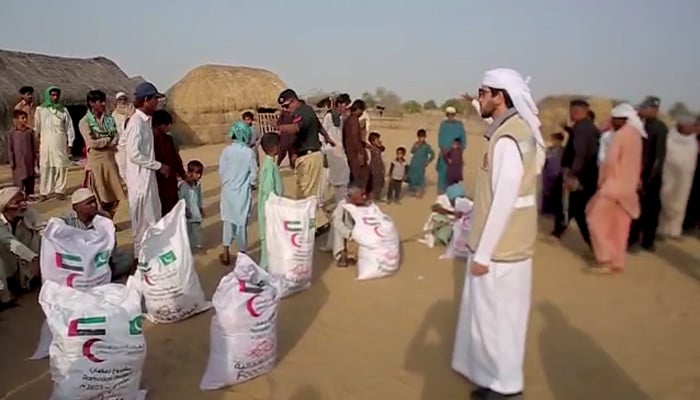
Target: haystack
<point>209,98</point>
<point>554,110</point>
<point>75,77</point>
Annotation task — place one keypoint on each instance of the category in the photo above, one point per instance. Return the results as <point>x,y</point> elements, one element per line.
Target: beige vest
<point>518,240</point>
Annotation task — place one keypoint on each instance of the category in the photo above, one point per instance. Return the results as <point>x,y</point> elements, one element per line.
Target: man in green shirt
<point>306,129</point>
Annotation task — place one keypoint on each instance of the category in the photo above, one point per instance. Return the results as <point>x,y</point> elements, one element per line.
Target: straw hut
<point>75,77</point>
<point>554,110</point>
<point>209,98</point>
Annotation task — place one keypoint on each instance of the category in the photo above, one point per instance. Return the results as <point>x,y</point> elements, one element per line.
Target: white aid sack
<point>98,348</point>
<point>290,231</point>
<point>375,233</point>
<point>243,333</point>
<point>170,284</point>
<point>457,248</point>
<point>74,257</point>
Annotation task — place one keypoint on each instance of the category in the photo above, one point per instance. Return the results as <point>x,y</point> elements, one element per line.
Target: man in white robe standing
<point>677,176</point>
<point>141,164</point>
<point>490,339</point>
<point>54,128</point>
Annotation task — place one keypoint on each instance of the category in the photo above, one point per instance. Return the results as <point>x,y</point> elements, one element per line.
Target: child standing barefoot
<point>191,191</point>
<point>22,153</point>
<point>376,165</point>
<point>270,182</point>
<point>397,173</point>
<point>423,155</point>
<point>237,171</point>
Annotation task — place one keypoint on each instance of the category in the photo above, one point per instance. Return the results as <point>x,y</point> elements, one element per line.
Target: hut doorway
<point>77,112</point>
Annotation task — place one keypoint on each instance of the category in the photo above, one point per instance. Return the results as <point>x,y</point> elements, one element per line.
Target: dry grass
<point>75,77</point>
<point>209,98</point>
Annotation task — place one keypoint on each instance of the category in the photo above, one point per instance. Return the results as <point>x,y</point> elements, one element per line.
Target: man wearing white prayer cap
<point>490,341</point>
<point>84,215</point>
<point>20,243</point>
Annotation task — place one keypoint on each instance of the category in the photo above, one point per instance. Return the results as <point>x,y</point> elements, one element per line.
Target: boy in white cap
<point>84,204</point>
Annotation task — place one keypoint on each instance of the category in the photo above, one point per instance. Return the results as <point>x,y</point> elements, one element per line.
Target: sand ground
<point>633,336</point>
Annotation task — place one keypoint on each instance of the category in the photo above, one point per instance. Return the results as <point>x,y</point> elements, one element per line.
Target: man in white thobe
<point>122,112</point>
<point>54,128</point>
<point>141,164</point>
<point>338,170</point>
<point>490,340</point>
<point>677,176</point>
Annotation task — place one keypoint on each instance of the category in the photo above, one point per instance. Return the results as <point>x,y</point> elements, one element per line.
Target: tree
<point>369,99</point>
<point>678,108</point>
<point>316,95</point>
<point>458,104</point>
<point>430,105</point>
<point>412,107</point>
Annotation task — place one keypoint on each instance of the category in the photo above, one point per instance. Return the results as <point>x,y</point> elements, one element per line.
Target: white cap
<point>450,110</point>
<point>81,195</point>
<point>120,95</point>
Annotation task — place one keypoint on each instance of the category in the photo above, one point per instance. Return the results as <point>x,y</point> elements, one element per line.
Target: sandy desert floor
<point>628,337</point>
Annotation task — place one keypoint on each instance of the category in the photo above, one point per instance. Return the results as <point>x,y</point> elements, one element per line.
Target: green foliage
<point>412,107</point>
<point>369,99</point>
<point>679,108</point>
<point>430,105</point>
<point>458,104</point>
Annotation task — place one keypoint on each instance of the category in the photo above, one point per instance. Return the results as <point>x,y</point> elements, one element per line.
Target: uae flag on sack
<point>69,262</point>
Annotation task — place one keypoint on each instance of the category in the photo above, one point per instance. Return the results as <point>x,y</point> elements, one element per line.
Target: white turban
<point>512,82</point>
<point>6,194</point>
<point>628,112</point>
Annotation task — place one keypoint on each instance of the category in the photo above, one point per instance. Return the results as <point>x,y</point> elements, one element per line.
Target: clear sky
<point>422,50</point>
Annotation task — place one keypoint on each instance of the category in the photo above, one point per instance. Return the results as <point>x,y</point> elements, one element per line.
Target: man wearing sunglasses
<point>492,326</point>
<point>306,128</point>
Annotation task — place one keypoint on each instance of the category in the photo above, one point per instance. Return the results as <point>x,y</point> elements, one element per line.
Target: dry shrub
<point>554,110</point>
<point>209,98</point>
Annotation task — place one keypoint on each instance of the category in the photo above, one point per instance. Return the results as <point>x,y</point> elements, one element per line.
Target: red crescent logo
<point>147,281</point>
<point>87,350</point>
<point>295,240</point>
<point>377,231</point>
<point>70,279</point>
<point>250,306</point>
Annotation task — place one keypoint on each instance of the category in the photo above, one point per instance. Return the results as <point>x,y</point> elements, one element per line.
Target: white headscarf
<point>628,112</point>
<point>512,82</point>
<point>6,194</point>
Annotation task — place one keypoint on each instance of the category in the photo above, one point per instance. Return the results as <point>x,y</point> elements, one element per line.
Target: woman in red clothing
<point>166,153</point>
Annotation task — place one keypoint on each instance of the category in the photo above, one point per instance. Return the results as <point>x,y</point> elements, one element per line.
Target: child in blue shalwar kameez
<point>238,173</point>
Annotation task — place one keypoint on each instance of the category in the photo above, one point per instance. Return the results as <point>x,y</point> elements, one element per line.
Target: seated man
<point>447,208</point>
<point>84,211</point>
<point>342,224</point>
<point>20,242</point>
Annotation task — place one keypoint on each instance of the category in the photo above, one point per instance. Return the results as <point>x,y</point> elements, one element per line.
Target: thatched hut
<point>209,98</point>
<point>554,110</point>
<point>75,77</point>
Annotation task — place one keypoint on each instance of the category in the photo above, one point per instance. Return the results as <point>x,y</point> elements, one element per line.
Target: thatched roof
<point>209,98</point>
<point>75,77</point>
<point>555,109</point>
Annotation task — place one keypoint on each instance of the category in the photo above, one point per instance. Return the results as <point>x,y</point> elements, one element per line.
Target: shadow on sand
<point>430,353</point>
<point>679,259</point>
<point>576,367</point>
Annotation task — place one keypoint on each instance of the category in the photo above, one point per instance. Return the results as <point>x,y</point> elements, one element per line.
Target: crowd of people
<point>626,184</point>
<point>621,187</point>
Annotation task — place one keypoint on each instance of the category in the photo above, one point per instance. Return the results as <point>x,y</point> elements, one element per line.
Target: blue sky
<point>422,50</point>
